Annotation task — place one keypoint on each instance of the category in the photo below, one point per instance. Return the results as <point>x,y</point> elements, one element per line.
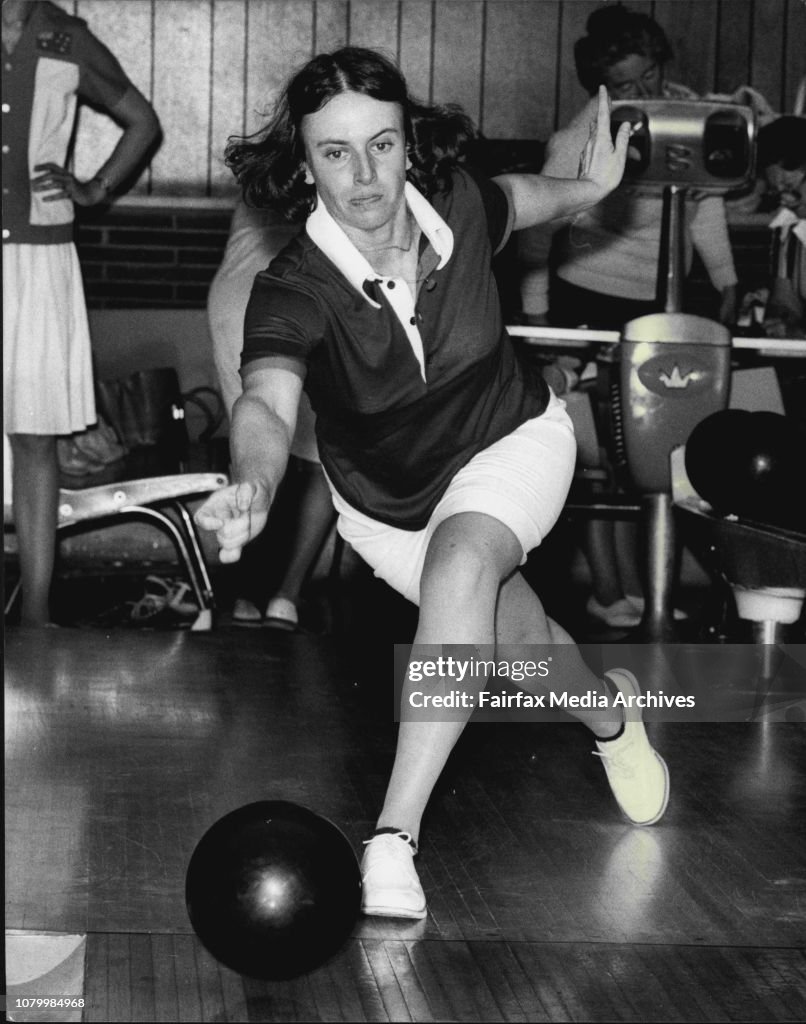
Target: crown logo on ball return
<point>676,379</point>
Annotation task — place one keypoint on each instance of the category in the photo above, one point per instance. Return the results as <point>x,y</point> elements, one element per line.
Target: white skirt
<point>47,357</point>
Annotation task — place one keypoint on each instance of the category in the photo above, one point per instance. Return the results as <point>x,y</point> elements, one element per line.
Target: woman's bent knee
<point>470,554</point>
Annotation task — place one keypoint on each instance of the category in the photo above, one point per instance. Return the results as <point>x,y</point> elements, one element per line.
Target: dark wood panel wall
<point>212,68</point>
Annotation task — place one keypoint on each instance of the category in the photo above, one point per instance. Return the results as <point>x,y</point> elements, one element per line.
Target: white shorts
<point>521,480</point>
<point>47,360</point>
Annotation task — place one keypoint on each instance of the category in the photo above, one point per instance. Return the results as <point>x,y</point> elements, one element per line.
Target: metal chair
<point>148,499</point>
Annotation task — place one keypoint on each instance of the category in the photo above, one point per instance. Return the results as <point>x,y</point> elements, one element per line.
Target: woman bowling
<point>447,461</point>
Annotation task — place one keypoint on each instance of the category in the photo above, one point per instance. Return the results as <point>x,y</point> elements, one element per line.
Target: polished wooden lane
<point>122,747</point>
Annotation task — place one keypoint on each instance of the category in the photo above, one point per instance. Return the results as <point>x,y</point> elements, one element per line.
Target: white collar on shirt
<point>334,243</point>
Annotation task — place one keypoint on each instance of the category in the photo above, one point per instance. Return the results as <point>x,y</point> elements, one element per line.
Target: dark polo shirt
<point>390,440</point>
<point>56,61</point>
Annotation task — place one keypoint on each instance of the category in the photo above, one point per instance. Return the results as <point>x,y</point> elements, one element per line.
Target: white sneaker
<point>637,774</point>
<point>391,887</point>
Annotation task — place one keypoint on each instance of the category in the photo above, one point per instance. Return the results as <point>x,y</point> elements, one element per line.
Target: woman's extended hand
<point>237,514</point>
<point>602,160</point>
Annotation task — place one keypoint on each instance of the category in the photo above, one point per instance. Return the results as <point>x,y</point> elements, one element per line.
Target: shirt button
<point>6,233</point>
<point>5,149</point>
<point>390,284</point>
<point>6,108</point>
<point>413,320</point>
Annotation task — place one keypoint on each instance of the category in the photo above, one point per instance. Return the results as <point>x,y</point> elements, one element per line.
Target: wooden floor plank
<point>96,983</point>
<point>386,980</point>
<point>434,984</point>
<point>163,968</point>
<point>538,964</point>
<point>143,1001</point>
<point>779,999</point>
<point>346,982</point>
<point>509,986</point>
<point>469,996</point>
<point>661,967</point>
<point>188,986</point>
<point>734,998</point>
<point>543,903</point>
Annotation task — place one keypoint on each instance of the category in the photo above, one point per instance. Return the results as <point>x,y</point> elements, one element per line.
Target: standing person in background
<point>51,62</point>
<point>605,264</point>
<point>255,238</point>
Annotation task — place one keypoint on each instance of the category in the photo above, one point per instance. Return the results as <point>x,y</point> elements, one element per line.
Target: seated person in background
<point>780,193</point>
<point>605,263</point>
<point>255,238</point>
<point>607,260</point>
<point>781,165</point>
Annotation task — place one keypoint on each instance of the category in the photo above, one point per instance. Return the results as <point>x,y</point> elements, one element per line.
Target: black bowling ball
<point>749,464</point>
<point>273,889</point>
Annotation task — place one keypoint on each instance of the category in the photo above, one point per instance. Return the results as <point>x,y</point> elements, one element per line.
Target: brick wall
<point>145,256</point>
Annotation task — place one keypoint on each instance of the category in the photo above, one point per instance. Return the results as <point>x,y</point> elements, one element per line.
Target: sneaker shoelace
<point>618,761</point>
<point>406,837</point>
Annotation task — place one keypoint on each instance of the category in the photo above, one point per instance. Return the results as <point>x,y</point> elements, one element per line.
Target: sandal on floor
<point>281,614</point>
<point>164,595</point>
<point>245,613</point>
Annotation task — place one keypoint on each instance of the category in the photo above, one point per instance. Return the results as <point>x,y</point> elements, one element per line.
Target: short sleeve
<point>280,320</point>
<point>102,81</point>
<point>497,209</point>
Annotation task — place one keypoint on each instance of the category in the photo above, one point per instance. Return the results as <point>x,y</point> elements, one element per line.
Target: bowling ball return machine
<point>672,369</point>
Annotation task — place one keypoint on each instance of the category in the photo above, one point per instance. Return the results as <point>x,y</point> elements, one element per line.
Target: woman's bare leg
<point>35,499</point>
<point>464,603</point>
<point>467,559</point>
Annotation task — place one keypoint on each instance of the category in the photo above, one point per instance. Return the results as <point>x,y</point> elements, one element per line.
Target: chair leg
<point>188,547</point>
<point>13,597</point>
<point>204,620</point>
<point>198,555</point>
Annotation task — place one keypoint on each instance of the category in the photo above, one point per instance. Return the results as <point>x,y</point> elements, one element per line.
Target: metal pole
<point>672,267</point>
<point>658,621</point>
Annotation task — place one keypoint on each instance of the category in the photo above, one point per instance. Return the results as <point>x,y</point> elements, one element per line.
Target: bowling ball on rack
<point>273,889</point>
<point>751,465</point>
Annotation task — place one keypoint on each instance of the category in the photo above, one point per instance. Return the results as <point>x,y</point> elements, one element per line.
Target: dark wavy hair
<point>616,32</point>
<point>270,164</point>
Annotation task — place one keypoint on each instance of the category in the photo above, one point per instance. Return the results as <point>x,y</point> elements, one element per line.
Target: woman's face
<point>356,156</point>
<point>634,78</point>
<point>787,183</point>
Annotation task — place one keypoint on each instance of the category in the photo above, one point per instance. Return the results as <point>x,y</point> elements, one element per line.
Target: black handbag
<point>146,410</point>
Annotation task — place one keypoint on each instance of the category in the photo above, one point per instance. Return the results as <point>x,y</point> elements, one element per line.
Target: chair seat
<point>110,499</point>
